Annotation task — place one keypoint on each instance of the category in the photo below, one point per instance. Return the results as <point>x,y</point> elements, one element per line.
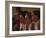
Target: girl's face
<point>33,16</point>
<point>36,18</point>
<point>26,17</point>
<point>21,18</point>
<point>17,16</point>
